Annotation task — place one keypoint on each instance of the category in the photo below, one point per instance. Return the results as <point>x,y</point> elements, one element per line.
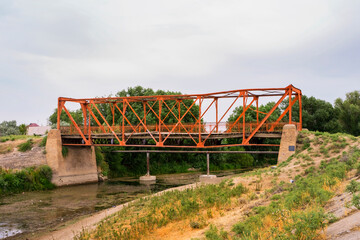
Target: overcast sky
<point>95,48</point>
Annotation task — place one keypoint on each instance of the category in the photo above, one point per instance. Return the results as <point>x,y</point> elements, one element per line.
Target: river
<point>22,215</point>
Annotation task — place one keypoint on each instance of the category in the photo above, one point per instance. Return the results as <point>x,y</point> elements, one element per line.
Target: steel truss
<point>160,133</point>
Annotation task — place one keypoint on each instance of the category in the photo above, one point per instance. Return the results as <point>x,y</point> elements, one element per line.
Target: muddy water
<point>30,212</point>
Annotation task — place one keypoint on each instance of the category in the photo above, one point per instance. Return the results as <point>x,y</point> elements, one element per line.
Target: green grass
<point>28,179</point>
<point>16,137</point>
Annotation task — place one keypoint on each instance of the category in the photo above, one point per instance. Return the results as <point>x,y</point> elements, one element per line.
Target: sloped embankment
<point>12,158</point>
<point>296,200</point>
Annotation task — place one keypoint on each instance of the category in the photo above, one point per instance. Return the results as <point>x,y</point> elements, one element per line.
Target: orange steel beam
<point>159,108</point>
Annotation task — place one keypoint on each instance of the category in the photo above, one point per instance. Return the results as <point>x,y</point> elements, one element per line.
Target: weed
<point>353,186</point>
<point>43,142</point>
<point>26,146</point>
<point>214,234</point>
<point>356,200</point>
<point>65,151</point>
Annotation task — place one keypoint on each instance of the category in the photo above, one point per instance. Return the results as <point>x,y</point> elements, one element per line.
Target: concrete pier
<point>77,167</point>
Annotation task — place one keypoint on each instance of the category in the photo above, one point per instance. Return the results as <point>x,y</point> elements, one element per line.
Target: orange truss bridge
<point>177,120</point>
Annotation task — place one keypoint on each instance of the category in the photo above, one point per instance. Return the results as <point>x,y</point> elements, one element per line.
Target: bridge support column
<point>288,142</point>
<point>207,176</point>
<point>147,176</point>
<point>74,165</point>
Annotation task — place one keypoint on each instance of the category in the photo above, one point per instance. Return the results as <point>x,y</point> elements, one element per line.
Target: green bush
<point>28,179</point>
<point>26,146</point>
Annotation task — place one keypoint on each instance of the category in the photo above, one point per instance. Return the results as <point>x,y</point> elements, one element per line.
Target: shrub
<point>353,186</point>
<point>356,200</point>
<point>26,146</point>
<point>28,179</point>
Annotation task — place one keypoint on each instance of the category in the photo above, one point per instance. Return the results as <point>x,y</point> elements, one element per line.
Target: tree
<point>64,118</point>
<point>317,114</point>
<point>22,129</point>
<point>250,115</point>
<point>9,128</point>
<point>349,112</point>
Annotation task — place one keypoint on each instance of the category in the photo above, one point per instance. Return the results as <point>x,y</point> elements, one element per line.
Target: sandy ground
<point>18,160</point>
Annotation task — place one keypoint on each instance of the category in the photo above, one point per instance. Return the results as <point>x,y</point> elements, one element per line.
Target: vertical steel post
<point>160,136</point>
<point>59,113</point>
<point>148,163</point>
<point>244,110</point>
<point>123,123</point>
<point>290,95</point>
<point>83,108</point>
<point>217,115</point>
<point>300,112</point>
<point>208,163</point>
<point>144,106</point>
<point>179,112</point>
<point>257,110</point>
<point>200,102</point>
<point>113,114</point>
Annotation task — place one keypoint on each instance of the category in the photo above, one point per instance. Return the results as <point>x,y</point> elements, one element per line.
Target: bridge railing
<point>223,127</point>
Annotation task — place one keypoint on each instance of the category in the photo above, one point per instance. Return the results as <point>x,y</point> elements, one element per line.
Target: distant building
<point>33,125</point>
<point>35,129</point>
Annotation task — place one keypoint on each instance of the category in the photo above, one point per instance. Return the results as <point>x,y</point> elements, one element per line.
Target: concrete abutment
<point>288,142</point>
<point>78,166</point>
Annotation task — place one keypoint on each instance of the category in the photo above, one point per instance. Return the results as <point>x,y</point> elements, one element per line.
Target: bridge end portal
<point>72,165</point>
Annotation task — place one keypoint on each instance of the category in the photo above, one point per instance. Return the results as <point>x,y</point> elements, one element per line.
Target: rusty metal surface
<point>130,132</point>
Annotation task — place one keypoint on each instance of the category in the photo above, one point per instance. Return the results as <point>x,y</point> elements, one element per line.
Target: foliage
<point>26,146</point>
<point>356,201</point>
<point>349,112</point>
<point>100,161</point>
<point>22,129</point>
<point>214,234</point>
<point>9,128</point>
<point>353,186</point>
<point>28,179</point>
<point>317,114</point>
<point>250,116</point>
<point>77,116</point>
<point>64,151</point>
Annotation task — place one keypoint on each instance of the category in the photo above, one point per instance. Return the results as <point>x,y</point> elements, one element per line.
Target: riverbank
<point>276,203</point>
<point>33,213</point>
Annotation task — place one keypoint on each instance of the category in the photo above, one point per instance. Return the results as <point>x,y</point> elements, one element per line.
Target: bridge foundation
<point>207,176</point>
<point>288,142</point>
<point>147,177</point>
<point>73,165</point>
